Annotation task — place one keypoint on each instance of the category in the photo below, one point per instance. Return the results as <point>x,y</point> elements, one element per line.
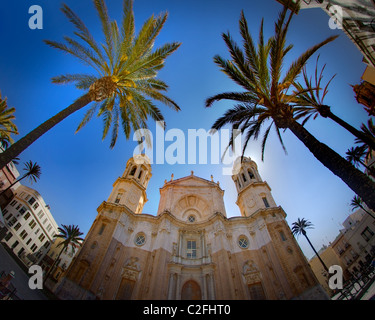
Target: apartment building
<point>31,226</point>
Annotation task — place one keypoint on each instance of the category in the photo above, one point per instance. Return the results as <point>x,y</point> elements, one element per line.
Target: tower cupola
<point>130,188</point>
<point>253,193</point>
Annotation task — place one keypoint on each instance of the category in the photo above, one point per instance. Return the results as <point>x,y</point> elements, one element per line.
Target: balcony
<point>191,262</point>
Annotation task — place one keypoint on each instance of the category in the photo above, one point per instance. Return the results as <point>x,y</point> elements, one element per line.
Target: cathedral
<point>189,250</point>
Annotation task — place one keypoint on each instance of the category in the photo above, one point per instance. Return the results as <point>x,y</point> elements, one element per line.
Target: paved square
<point>21,279</point>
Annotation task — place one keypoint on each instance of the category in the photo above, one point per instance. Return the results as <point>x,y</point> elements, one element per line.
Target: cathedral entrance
<point>191,291</point>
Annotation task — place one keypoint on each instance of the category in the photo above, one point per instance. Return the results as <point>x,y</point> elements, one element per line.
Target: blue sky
<point>78,170</point>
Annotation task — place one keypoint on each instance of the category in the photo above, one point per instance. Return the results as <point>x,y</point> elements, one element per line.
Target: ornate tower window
<point>132,172</point>
<point>251,174</point>
<point>243,242</point>
<point>265,201</point>
<point>118,197</point>
<point>282,236</point>
<point>140,174</point>
<point>101,229</point>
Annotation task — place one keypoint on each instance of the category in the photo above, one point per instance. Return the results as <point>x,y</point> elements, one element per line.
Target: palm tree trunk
<point>320,259</point>
<point>368,212</point>
<point>53,265</point>
<point>356,180</point>
<point>371,170</point>
<point>360,135</point>
<point>15,149</point>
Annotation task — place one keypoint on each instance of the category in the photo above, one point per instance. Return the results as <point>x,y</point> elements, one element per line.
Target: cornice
<point>217,216</point>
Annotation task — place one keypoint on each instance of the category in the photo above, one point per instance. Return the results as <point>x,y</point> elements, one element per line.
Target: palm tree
<point>299,227</point>
<point>123,84</point>
<point>358,203</point>
<point>71,236</point>
<point>355,156</point>
<point>370,131</point>
<point>7,127</point>
<point>33,173</point>
<point>258,71</point>
<point>312,104</point>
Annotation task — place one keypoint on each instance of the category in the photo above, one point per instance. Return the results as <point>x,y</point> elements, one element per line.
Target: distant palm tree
<point>369,130</point>
<point>7,127</point>
<point>358,203</point>
<point>312,103</point>
<point>299,227</point>
<point>124,81</point>
<point>33,173</point>
<point>258,70</point>
<point>355,155</point>
<point>71,236</point>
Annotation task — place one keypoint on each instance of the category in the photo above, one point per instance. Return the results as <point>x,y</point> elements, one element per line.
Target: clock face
<point>133,198</point>
<point>250,202</point>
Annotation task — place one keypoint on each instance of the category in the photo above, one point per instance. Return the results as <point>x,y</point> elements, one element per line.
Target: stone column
<point>170,287</point>
<point>178,287</point>
<point>203,244</point>
<point>204,287</point>
<point>179,253</point>
<point>212,287</point>
<point>137,172</point>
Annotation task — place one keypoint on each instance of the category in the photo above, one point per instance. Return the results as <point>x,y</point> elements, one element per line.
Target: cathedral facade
<point>190,249</point>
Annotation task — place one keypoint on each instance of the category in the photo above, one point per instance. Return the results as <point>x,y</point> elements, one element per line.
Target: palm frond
<point>296,67</point>
<point>126,67</point>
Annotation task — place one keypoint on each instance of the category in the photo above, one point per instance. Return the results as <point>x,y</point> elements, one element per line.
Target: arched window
<point>244,177</point>
<point>239,183</point>
<point>251,174</point>
<point>101,230</point>
<point>132,172</point>
<point>118,197</point>
<point>282,236</point>
<point>265,201</point>
<point>140,174</point>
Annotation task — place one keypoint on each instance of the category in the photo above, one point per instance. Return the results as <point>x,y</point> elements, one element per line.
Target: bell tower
<point>253,192</point>
<point>130,188</point>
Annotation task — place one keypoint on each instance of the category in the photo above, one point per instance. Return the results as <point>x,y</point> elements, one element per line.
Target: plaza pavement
<point>21,279</point>
<point>369,293</point>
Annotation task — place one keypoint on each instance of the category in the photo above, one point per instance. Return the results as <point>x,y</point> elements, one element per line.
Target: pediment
<point>192,181</point>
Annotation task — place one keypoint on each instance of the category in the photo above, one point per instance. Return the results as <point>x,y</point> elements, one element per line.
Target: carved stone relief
<point>131,269</point>
<point>251,272</point>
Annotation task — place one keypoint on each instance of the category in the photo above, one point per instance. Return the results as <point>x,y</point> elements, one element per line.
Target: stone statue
<point>249,266</point>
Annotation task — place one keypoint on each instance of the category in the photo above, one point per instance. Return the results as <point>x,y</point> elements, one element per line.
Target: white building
<point>359,234</point>
<point>30,224</point>
<point>356,18</point>
<point>8,175</point>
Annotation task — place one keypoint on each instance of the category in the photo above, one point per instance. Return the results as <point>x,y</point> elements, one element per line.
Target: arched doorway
<point>191,291</point>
